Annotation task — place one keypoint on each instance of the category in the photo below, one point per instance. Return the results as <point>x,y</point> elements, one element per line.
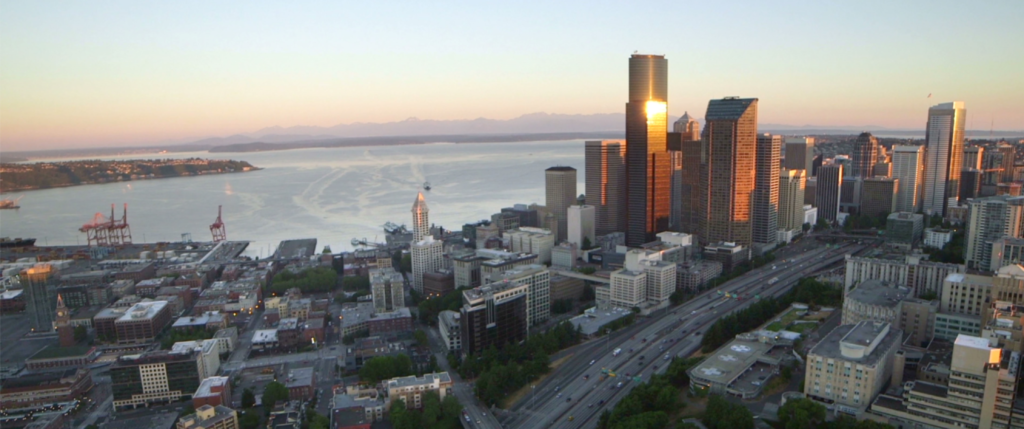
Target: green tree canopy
<point>248,398</point>
<point>801,413</point>
<point>274,392</point>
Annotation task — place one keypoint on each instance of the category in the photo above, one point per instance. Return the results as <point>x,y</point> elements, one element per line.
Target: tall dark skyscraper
<point>865,155</point>
<point>765,227</point>
<point>684,147</point>
<point>728,162</point>
<point>648,165</point>
<point>606,184</point>
<point>800,154</point>
<point>828,192</point>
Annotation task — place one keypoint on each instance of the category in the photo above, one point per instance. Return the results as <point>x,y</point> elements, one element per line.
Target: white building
<point>937,237</point>
<point>792,184</point>
<point>451,332</point>
<point>538,241</point>
<point>943,161</point>
<point>564,255</point>
<point>908,167</point>
<point>538,296</point>
<point>582,220</point>
<point>810,214</point>
<point>644,278</point>
<point>427,253</point>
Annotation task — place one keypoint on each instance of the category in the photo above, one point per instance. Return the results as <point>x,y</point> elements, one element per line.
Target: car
<point>568,400</point>
<point>644,341</point>
<point>586,376</point>
<point>557,388</point>
<point>631,350</point>
<point>558,395</point>
<point>618,385</point>
<point>641,357</point>
<point>592,362</point>
<point>655,366</point>
<point>601,402</point>
<point>693,312</point>
<point>591,405</point>
<point>467,419</point>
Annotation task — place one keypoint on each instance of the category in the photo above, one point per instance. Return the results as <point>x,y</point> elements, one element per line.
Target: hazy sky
<point>77,74</point>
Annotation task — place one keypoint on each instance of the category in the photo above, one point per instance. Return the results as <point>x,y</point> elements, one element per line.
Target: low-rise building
<point>152,378</point>
<point>730,255</point>
<point>39,389</point>
<point>563,256</point>
<point>937,237</point>
<point>391,322</point>
<point>1007,251</point>
<point>903,230</point>
<point>142,322</point>
<point>438,283</point>
<point>949,326</point>
<point>212,391</point>
<point>210,417</point>
<point>873,300</point>
<point>693,275</point>
<point>411,389</point>
<point>51,358</point>
<point>742,366</point>
<point>922,276</point>
<point>851,365</point>
<point>563,287</point>
<point>354,402</point>
<point>301,384</point>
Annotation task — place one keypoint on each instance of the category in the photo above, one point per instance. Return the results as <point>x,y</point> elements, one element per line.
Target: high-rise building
<point>606,184</point>
<point>765,228</point>
<point>581,225</point>
<point>728,165</point>
<point>537,280</point>
<point>865,155</point>
<point>944,138</point>
<point>684,150</point>
<point>153,377</point>
<point>648,166</point>
<point>878,196</point>
<point>800,154</point>
<point>972,157</point>
<point>688,127</point>
<point>882,169</point>
<point>908,167</point>
<point>970,184</point>
<point>1007,159</point>
<point>493,315</point>
<point>828,191</point>
<point>988,220</point>
<point>852,364</point>
<point>537,241</point>
<point>386,286</point>
<point>560,193</point>
<point>792,185</point>
<point>427,254</point>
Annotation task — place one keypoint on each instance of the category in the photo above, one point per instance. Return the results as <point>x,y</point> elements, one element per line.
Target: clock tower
<point>65,331</point>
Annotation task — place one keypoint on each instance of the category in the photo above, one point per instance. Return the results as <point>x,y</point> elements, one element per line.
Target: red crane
<point>95,230</point>
<point>120,231</point>
<point>220,233</point>
<point>104,231</point>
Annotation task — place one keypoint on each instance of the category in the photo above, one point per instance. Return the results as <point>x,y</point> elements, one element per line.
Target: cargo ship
<point>17,242</point>
<point>9,204</point>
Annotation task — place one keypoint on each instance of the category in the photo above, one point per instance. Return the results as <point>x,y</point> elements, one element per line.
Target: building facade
<point>581,225</point>
<point>851,365</point>
<point>606,184</point>
<point>828,191</point>
<point>944,137</point>
<point>792,185</point>
<point>800,154</point>
<point>728,167</point>
<point>766,190</point>
<point>560,194</point>
<point>988,220</point>
<point>865,156</point>
<point>493,315</point>
<point>153,378</point>
<point>386,285</point>
<point>908,167</point>
<point>427,254</point>
<point>879,196</point>
<point>648,166</point>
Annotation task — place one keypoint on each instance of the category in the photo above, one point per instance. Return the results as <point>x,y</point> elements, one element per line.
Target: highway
<point>575,394</point>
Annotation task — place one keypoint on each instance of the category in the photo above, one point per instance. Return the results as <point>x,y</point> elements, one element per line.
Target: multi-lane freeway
<point>575,394</point>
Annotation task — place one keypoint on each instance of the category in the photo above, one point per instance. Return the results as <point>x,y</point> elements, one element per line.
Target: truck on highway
<point>616,351</point>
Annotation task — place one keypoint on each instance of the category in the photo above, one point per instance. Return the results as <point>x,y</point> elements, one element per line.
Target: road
<point>675,332</point>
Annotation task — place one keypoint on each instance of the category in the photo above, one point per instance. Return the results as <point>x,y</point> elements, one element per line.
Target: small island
<point>43,175</point>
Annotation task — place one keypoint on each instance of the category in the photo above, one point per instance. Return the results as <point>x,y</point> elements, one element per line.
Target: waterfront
<point>333,195</point>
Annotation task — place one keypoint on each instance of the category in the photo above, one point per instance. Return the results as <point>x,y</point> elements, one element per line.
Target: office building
<point>727,172</point>
<point>560,194</point>
<point>792,185</point>
<point>965,294</point>
<point>730,255</point>
<point>865,155</point>
<point>427,254</point>
<point>879,196</point>
<point>827,191</point>
<point>210,417</point>
<point>36,389</point>
<point>874,300</point>
<point>978,393</point>
<point>493,315</point>
<point>627,288</point>
<point>972,157</point>
<point>912,271</point>
<point>765,228</point>
<point>142,322</point>
<point>1006,251</point>
<point>693,275</point>
<point>970,184</point>
<point>937,237</point>
<point>850,194</point>
<point>566,288</point>
<point>386,286</point>
<point>212,391</point>
<point>451,332</point>
<point>648,166</point>
<point>152,378</point>
<point>800,154</point>
<point>537,279</point>
<point>882,169</point>
<point>1007,160</point>
<point>606,184</point>
<point>944,138</point>
<point>908,167</point>
<point>904,230</point>
<point>563,256</point>
<point>411,389</point>
<point>581,225</point>
<point>988,220</point>
<point>685,146</point>
<point>851,365</point>
<point>537,241</point>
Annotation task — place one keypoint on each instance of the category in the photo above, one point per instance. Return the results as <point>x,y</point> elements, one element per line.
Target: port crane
<point>217,229</point>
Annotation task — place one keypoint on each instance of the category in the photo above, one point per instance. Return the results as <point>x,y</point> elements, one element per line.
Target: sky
<point>90,74</point>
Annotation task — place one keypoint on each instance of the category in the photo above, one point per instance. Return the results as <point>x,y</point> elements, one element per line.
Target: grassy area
<point>525,390</point>
<point>802,327</point>
<point>783,321</point>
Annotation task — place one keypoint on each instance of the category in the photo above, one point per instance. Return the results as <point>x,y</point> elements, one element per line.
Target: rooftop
<point>264,336</point>
<point>439,377</point>
<point>357,314</point>
<point>397,314</point>
<point>142,311</point>
<point>593,319</point>
<point>299,377</point>
<point>560,168</point>
<point>53,352</point>
<point>876,292</point>
<point>288,323</point>
<point>972,342</point>
<point>450,318</point>
<point>730,361</point>
<point>146,421</point>
<point>729,108</point>
<point>830,346</point>
<point>201,320</point>
<point>207,386</point>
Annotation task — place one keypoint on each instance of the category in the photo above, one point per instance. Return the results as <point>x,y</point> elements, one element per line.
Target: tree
<point>722,414</point>
<point>327,250</point>
<point>929,296</point>
<point>801,413</point>
<point>249,420</point>
<point>822,224</point>
<point>586,245</point>
<point>385,367</point>
<point>806,226</point>
<point>355,283</point>
<point>421,338</point>
<point>275,391</point>
<point>80,333</point>
<point>406,265</point>
<point>248,398</point>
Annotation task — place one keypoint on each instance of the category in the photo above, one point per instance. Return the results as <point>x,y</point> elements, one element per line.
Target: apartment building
<point>851,365</point>
<point>411,389</point>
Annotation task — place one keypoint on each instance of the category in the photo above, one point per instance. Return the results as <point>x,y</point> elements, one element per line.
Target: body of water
<point>333,195</point>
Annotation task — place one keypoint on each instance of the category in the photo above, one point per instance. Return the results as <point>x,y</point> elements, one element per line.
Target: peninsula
<point>42,175</point>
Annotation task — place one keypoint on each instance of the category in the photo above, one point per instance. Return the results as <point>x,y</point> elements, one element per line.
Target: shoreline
<point>72,185</point>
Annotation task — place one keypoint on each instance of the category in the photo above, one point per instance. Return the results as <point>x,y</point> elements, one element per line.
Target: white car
<point>592,362</point>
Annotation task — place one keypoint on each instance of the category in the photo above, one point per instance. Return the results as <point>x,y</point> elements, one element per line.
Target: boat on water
<point>426,186</point>
<point>17,242</point>
<point>9,204</point>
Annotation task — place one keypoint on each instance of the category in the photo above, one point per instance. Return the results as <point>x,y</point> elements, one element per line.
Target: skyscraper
<point>766,190</point>
<point>908,167</point>
<point>944,137</point>
<point>1008,159</point>
<point>829,188</point>
<point>878,196</point>
<point>990,219</point>
<point>792,184</point>
<point>684,147</point>
<point>648,168</point>
<point>865,155</point>
<point>606,184</point>
<point>800,154</point>
<point>560,193</point>
<point>728,158</point>
<point>427,254</point>
<point>972,157</point>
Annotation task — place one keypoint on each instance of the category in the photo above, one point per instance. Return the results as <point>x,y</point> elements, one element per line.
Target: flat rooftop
<point>206,387</point>
<point>299,377</point>
<point>412,380</point>
<point>142,311</point>
<point>878,293</point>
<point>149,421</point>
<point>300,248</point>
<point>54,352</point>
<point>730,361</point>
<point>829,346</point>
<point>591,321</point>
<point>264,336</point>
